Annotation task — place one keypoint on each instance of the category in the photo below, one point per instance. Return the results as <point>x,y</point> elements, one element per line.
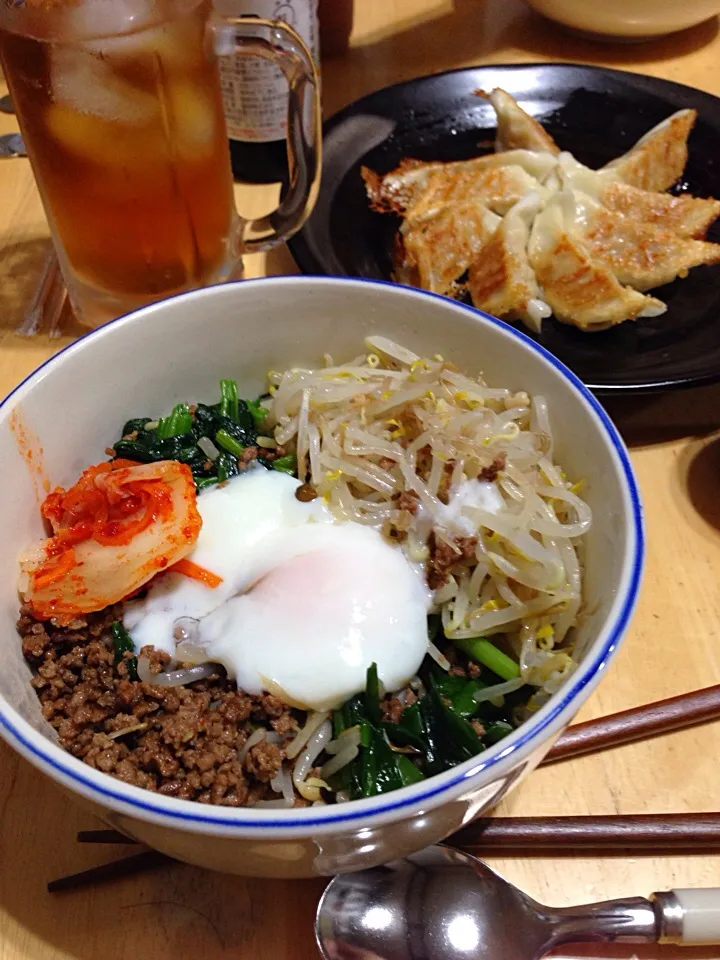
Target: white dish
<point>72,407</point>
<point>627,19</point>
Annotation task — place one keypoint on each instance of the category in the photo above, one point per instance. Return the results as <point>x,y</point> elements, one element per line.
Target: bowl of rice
<point>309,572</point>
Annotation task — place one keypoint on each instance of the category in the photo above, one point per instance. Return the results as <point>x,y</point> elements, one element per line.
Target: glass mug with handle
<point>120,107</point>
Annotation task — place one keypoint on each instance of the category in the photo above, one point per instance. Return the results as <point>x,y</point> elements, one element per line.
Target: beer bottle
<point>255,93</point>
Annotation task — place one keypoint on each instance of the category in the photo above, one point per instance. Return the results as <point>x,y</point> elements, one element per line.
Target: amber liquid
<point>127,140</point>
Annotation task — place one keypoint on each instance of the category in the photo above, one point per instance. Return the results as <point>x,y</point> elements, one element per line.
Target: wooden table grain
<point>673,644</point>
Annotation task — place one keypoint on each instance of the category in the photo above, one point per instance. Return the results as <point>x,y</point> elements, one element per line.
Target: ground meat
<point>269,454</point>
<point>272,706</point>
<point>478,727</point>
<point>35,642</point>
<point>179,741</point>
<point>285,725</point>
<point>491,473</point>
<point>393,706</point>
<point>468,669</point>
<point>444,556</point>
<point>157,659</point>
<point>407,500</point>
<point>411,426</point>
<point>264,760</point>
<point>443,491</point>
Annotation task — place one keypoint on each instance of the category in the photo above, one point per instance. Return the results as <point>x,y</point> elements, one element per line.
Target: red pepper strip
<point>112,533</point>
<point>68,537</point>
<point>196,572</point>
<point>64,564</point>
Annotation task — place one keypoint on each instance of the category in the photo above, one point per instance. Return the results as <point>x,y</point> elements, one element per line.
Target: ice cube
<point>92,138</point>
<point>87,84</point>
<point>194,117</point>
<point>176,44</point>
<point>106,18</point>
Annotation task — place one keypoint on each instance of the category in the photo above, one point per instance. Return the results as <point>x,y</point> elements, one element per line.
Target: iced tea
<point>119,103</point>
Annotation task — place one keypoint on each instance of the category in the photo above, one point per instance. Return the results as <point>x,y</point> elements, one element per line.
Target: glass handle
<point>278,43</point>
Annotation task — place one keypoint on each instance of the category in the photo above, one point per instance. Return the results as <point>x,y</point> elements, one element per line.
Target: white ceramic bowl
<point>627,19</point>
<point>72,407</point>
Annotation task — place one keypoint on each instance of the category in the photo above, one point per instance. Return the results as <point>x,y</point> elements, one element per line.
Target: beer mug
<point>120,107</point>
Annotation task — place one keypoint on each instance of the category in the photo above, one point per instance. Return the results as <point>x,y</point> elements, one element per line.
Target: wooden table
<point>673,645</point>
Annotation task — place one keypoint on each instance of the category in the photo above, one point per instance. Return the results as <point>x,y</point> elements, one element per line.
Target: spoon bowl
<point>442,904</point>
<point>438,904</point>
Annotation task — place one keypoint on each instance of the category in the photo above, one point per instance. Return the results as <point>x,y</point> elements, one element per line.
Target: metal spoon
<point>441,904</point>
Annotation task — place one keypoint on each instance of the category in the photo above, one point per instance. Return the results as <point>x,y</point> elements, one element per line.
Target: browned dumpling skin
<point>516,130</point>
<point>657,159</point>
<point>642,255</point>
<point>581,290</point>
<point>529,230</point>
<point>501,280</point>
<point>434,253</point>
<point>497,188</point>
<point>685,216</point>
<point>401,188</point>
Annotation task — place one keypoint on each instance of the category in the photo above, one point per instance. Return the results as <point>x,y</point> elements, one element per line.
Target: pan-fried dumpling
<point>639,254</point>
<point>500,279</point>
<point>579,289</point>
<point>394,192</point>
<point>685,216</point>
<point>658,158</point>
<point>497,188</point>
<point>515,128</point>
<point>576,176</point>
<point>433,254</point>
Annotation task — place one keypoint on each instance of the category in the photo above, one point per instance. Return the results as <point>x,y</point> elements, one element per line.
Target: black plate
<point>595,113</point>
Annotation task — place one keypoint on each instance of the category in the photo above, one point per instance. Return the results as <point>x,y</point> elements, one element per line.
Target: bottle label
<point>255,93</point>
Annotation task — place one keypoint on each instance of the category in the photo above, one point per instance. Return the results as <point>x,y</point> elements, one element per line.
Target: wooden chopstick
<point>645,833</point>
<point>639,723</point>
<point>528,836</point>
<point>639,834</point>
<point>103,836</point>
<point>115,870</point>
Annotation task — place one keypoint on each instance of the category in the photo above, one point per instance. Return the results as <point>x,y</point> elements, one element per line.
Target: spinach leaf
<point>409,731</point>
<point>135,425</point>
<point>178,423</point>
<point>224,440</point>
<point>227,466</point>
<point>257,411</point>
<point>212,419</point>
<point>496,732</point>
<point>377,768</point>
<point>229,424</point>
<point>459,691</point>
<point>372,695</point>
<point>485,652</point>
<point>122,644</point>
<point>453,738</point>
<point>409,773</point>
<point>286,464</point>
<point>229,405</point>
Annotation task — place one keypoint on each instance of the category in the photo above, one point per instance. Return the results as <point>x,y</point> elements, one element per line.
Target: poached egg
<point>306,603</point>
